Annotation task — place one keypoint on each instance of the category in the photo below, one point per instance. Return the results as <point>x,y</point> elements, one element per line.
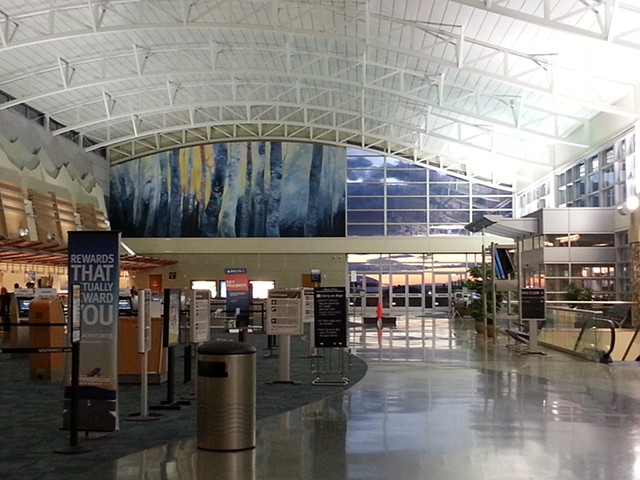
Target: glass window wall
<point>395,197</point>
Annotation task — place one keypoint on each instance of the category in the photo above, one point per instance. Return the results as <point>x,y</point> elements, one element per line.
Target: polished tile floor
<point>437,402</point>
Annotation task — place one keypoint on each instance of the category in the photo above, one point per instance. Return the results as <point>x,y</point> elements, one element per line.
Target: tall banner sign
<point>94,266</point>
<point>238,291</point>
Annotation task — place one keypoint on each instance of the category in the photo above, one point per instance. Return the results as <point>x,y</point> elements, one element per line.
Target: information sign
<point>330,307</point>
<point>45,292</point>
<point>200,314</point>
<point>284,312</point>
<point>171,315</point>
<point>238,292</point>
<point>533,304</point>
<point>144,321</point>
<point>308,299</point>
<point>75,314</point>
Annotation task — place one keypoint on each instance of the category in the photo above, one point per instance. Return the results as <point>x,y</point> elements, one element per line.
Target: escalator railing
<point>596,340</point>
<point>580,332</point>
<point>633,346</point>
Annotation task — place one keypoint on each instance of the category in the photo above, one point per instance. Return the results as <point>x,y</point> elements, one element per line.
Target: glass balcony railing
<point>582,332</point>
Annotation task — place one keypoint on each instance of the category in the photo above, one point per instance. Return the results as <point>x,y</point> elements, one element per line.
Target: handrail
<point>605,357</point>
<point>577,310</point>
<point>589,302</point>
<point>619,318</point>
<point>633,339</point>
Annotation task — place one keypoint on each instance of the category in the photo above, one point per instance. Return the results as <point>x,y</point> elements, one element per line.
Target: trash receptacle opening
<point>226,396</point>
<point>212,369</point>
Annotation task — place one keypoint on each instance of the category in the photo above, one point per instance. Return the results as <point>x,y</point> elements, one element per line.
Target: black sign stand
<point>74,411</point>
<point>330,329</point>
<point>74,446</point>
<point>170,403</point>
<point>330,317</point>
<point>533,310</point>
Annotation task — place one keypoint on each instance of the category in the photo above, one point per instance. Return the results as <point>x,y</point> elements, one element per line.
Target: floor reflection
<point>440,403</point>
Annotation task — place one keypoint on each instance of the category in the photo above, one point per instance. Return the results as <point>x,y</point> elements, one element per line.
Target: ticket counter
<point>128,357</point>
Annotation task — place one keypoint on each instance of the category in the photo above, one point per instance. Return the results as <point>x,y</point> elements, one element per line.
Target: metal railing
<point>582,332</point>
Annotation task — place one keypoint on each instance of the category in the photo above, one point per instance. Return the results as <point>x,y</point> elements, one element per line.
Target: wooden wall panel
<point>13,215</point>
<point>91,218</point>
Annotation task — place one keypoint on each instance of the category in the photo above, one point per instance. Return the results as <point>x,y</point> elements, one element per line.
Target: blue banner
<point>94,265</point>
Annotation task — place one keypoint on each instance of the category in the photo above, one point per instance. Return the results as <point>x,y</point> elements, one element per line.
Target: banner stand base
<point>73,449</point>
<point>321,382</point>
<point>142,418</point>
<point>167,406</point>
<point>533,352</point>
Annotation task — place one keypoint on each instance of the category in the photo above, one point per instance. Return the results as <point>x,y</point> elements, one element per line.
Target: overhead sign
<point>45,292</point>
<point>316,275</point>
<point>284,312</point>
<point>330,310</point>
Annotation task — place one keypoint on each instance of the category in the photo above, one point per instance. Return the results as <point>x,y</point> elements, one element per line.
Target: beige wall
<point>285,269</point>
<point>283,260</point>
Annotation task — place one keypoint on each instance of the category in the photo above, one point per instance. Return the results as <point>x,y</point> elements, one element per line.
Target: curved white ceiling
<point>483,86</point>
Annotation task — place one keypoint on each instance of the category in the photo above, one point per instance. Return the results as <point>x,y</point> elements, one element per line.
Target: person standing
<point>5,309</point>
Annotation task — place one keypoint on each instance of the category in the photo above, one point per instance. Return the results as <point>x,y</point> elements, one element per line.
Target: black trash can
<point>226,396</point>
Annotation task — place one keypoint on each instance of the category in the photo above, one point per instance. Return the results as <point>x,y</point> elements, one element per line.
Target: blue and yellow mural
<point>254,189</point>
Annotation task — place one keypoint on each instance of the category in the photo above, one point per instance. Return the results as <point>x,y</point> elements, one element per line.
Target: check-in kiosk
<point>125,306</point>
<point>20,303</point>
<point>128,357</point>
<point>46,330</point>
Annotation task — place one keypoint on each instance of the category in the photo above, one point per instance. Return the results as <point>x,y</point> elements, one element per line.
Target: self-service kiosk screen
<point>23,306</point>
<point>125,306</point>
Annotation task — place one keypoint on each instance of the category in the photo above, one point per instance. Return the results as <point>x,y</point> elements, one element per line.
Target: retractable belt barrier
<point>37,324</point>
<point>35,350</point>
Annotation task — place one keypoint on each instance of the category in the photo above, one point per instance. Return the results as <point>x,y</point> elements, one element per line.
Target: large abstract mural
<point>251,189</point>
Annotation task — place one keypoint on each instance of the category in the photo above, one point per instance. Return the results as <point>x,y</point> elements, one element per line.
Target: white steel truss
<point>140,76</point>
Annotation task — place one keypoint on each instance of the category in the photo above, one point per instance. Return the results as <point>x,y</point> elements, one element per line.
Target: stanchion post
<point>144,345</point>
<point>284,359</point>
<point>74,412</point>
<point>187,363</point>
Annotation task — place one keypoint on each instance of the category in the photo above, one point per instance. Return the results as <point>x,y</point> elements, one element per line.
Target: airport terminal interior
<point>337,239</point>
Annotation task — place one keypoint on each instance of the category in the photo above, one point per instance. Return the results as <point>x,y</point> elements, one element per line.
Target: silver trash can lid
<point>224,347</point>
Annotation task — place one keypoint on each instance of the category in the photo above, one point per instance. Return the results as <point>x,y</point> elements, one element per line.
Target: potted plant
<point>577,294</point>
<point>484,296</point>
